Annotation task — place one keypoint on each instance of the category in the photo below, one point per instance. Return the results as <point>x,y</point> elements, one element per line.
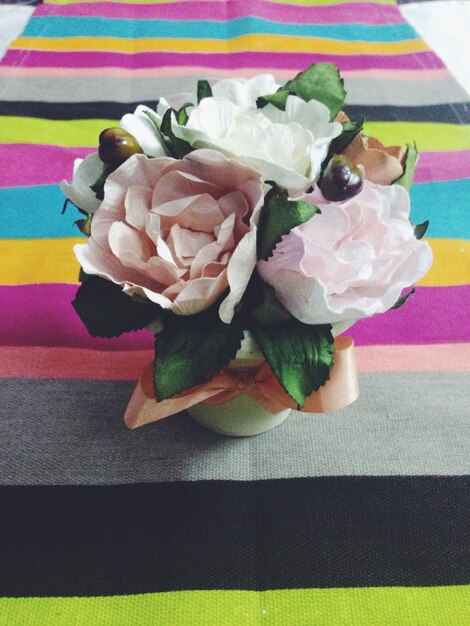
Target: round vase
<point>242,416</point>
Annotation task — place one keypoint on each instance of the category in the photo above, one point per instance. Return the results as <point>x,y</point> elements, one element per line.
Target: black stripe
<point>322,532</point>
<point>458,113</point>
<point>71,110</point>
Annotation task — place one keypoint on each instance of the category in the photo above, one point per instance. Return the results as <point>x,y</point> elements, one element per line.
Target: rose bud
<point>116,146</point>
<point>341,179</point>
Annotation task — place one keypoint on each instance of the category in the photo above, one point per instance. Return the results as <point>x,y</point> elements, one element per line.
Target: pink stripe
<point>79,363</point>
<point>265,60</point>
<point>367,13</point>
<point>41,315</point>
<point>161,72</point>
<point>32,170</point>
<point>439,166</point>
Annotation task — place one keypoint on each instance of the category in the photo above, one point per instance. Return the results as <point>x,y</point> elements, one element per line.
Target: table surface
<point>356,517</point>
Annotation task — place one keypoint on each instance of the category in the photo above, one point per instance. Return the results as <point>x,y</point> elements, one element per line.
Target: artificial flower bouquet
<point>251,207</point>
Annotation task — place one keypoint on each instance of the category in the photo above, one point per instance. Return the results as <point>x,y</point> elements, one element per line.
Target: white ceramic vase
<point>242,416</point>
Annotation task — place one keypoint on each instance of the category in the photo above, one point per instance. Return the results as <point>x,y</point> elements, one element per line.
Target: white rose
<point>143,129</point>
<point>285,146</point>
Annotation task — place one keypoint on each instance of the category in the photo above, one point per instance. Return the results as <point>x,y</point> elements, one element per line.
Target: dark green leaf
<point>98,185</point>
<point>402,299</point>
<point>277,99</point>
<point>182,116</point>
<point>279,217</point>
<point>267,309</point>
<point>203,90</point>
<point>320,81</point>
<point>409,170</point>
<point>300,355</point>
<point>340,143</point>
<point>178,148</point>
<point>107,311</point>
<point>190,351</point>
<point>420,229</point>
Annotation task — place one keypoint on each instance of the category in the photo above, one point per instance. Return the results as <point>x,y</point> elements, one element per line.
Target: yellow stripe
<point>52,260</point>
<point>256,43</point>
<point>38,261</point>
<point>451,265</point>
<point>368,606</point>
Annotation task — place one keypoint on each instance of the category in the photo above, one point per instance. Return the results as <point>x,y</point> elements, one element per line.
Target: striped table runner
<point>356,518</point>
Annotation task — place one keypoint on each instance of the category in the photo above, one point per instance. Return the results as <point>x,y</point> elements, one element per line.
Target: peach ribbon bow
<point>341,389</point>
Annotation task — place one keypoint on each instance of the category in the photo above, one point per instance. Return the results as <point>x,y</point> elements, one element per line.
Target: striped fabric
<point>356,518</point>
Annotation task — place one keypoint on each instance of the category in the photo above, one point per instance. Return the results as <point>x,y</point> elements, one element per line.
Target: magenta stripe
<point>41,315</point>
<point>432,315</point>
<point>440,166</point>
<point>367,13</point>
<point>432,166</point>
<point>32,170</point>
<point>265,60</point>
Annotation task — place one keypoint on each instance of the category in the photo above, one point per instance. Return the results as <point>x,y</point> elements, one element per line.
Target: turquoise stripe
<point>445,205</point>
<point>136,29</point>
<point>35,212</point>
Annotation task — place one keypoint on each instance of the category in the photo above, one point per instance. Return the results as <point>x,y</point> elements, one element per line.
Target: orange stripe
<point>80,363</point>
<point>442,357</point>
<point>400,74</point>
<point>46,362</point>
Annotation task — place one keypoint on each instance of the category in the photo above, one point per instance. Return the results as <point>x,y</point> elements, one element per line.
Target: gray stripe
<point>71,432</point>
<point>373,91</point>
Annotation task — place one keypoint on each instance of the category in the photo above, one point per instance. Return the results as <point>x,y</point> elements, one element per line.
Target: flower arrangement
<point>254,207</point>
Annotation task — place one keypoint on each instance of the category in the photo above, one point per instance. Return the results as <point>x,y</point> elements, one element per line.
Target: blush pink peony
<point>178,232</point>
<point>350,261</point>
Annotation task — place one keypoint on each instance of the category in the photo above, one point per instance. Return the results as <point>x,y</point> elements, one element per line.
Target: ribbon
<point>341,389</point>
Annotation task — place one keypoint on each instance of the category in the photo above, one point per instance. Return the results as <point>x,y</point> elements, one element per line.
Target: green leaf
<point>340,143</point>
<point>190,351</point>
<point>279,217</point>
<point>420,229</point>
<point>277,99</point>
<point>267,309</point>
<point>320,81</point>
<point>98,185</point>
<point>203,90</point>
<point>178,148</point>
<point>402,299</point>
<point>182,116</point>
<point>107,311</point>
<point>411,159</point>
<point>300,355</point>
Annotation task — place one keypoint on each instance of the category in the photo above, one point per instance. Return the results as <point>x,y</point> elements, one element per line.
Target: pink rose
<point>179,232</point>
<point>350,261</point>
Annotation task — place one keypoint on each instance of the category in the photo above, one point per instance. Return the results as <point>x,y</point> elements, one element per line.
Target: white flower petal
<point>86,173</point>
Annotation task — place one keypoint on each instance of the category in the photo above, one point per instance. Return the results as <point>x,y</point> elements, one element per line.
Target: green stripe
<point>83,133</point>
<point>428,136</point>
<point>73,133</point>
<point>397,606</point>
